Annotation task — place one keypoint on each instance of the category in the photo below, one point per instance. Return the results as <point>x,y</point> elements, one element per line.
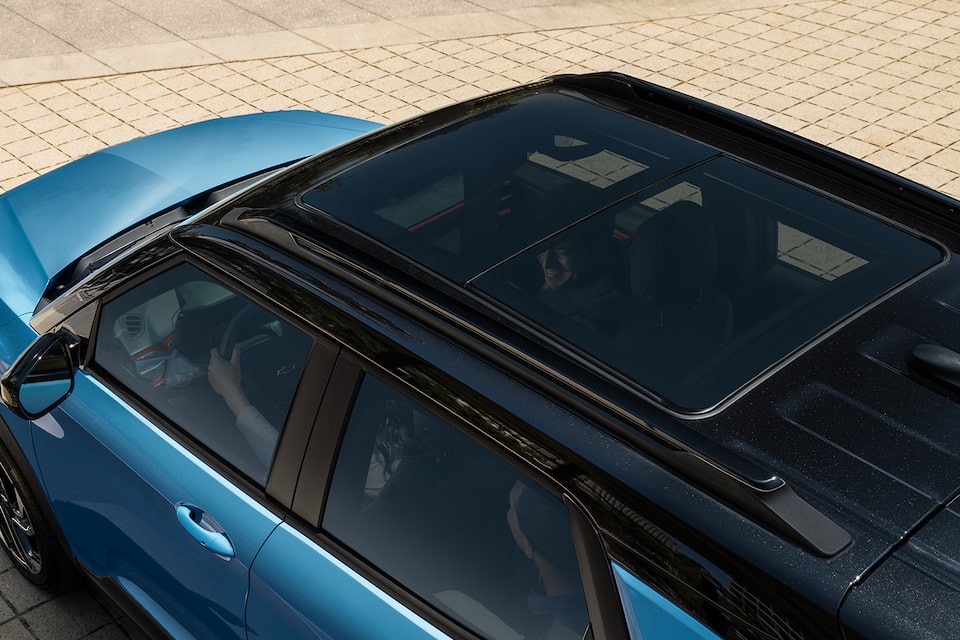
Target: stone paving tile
<point>27,613</point>
<point>878,79</point>
<point>91,24</point>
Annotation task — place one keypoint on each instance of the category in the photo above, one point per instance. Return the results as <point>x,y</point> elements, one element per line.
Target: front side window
<point>452,522</point>
<point>217,365</point>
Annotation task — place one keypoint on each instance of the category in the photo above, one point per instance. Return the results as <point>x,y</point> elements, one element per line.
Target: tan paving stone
<point>291,64</point>
<point>24,146</point>
<point>118,134</point>
<point>97,121</point>
<point>367,74</point>
<point>867,111</point>
<point>201,92</point>
<point>948,159</point>
<point>819,134</point>
<point>134,112</point>
<point>861,75</point>
<point>45,124</point>
<point>951,187</point>
<point>44,159</point>
<point>283,83</point>
<point>262,72</point>
<point>842,123</point>
<point>913,147</point>
<point>945,100</point>
<point>232,82</point>
<point>81,146</point>
<point>898,103</point>
<point>45,92</point>
<point>405,112</point>
<point>152,56</point>
<point>877,135</point>
<point>330,102</point>
<point>854,147</point>
<point>222,104</point>
<point>890,160</point>
<point>930,175</point>
<point>154,123</point>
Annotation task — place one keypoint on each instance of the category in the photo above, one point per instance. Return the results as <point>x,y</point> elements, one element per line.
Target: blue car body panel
<point>111,518</point>
<point>295,587</point>
<point>50,221</point>
<point>122,523</point>
<point>650,616</point>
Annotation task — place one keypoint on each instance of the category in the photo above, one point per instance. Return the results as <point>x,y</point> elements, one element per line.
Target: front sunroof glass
<point>465,197</point>
<point>694,287</point>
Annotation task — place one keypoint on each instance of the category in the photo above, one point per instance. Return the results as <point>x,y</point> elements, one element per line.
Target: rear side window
<point>452,522</point>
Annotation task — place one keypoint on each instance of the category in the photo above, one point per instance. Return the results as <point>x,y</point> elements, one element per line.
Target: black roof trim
<point>720,471</point>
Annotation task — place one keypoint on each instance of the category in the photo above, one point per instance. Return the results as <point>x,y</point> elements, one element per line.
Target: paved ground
<point>879,79</point>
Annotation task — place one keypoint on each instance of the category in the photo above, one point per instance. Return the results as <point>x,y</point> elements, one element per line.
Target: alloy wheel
<point>16,528</point>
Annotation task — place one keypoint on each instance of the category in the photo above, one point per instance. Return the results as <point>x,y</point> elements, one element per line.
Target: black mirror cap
<point>42,377</point>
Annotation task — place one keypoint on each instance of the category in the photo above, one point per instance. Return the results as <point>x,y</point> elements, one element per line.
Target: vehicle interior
<point>430,507</point>
<point>157,339</point>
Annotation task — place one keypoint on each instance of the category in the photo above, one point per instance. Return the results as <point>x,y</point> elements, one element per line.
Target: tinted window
<point>472,194</point>
<point>696,286</point>
<point>454,523</point>
<point>163,339</point>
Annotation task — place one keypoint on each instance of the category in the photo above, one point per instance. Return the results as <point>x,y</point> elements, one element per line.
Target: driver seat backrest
<point>674,266</point>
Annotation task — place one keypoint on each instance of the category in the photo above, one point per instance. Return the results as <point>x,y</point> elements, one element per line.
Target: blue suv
<point>582,359</point>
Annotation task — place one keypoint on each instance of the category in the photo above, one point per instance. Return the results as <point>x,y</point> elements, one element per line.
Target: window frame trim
<point>277,492</point>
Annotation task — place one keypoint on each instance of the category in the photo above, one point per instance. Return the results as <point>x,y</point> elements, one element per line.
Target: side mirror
<point>42,377</point>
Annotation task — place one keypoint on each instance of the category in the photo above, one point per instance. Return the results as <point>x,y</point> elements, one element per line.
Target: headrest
<point>674,255</point>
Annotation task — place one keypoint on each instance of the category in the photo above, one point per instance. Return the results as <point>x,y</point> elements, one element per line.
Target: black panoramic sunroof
<point>684,271</point>
<point>470,195</point>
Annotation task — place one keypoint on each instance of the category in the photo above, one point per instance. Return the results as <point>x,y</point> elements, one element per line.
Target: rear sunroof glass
<point>694,287</point>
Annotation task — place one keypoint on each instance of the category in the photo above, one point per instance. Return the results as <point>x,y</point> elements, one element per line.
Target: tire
<point>26,534</point>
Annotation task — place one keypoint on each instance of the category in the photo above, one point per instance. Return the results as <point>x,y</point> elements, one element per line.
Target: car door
<point>425,532</point>
<point>159,487</point>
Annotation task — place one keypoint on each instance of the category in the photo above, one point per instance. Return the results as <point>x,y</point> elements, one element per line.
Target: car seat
<point>674,263</point>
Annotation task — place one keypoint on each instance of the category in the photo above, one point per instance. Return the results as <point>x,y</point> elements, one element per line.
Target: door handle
<point>204,530</point>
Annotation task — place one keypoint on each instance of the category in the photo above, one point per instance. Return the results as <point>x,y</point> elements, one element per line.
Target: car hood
<point>49,222</point>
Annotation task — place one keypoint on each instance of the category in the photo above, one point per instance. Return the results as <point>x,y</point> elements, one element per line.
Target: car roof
<point>802,263</point>
<point>696,272</point>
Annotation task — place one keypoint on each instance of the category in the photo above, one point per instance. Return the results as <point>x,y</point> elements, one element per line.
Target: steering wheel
<point>247,318</point>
